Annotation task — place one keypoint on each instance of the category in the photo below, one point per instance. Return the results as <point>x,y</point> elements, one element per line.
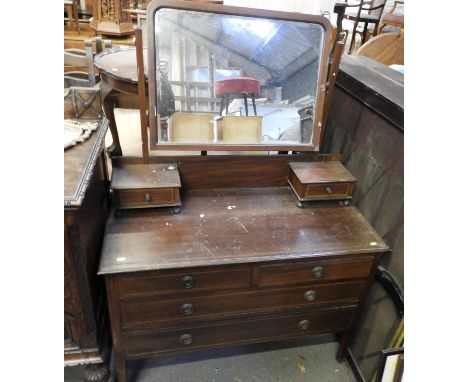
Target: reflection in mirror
<point>230,79</point>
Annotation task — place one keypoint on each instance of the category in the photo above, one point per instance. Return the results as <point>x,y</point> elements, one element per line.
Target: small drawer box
<point>143,186</point>
<point>320,180</point>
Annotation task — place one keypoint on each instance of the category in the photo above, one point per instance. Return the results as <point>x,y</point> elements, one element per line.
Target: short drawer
<point>313,271</point>
<point>330,190</point>
<point>237,332</point>
<point>156,312</point>
<point>189,281</point>
<point>147,197</point>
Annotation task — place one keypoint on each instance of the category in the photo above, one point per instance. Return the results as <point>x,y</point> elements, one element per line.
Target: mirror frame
<point>155,5</point>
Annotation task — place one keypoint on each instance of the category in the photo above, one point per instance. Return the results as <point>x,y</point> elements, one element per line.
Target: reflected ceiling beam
<point>266,41</point>
<point>306,58</point>
<point>254,70</point>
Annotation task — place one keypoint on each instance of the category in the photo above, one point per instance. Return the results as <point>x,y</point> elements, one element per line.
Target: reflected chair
<point>368,12</point>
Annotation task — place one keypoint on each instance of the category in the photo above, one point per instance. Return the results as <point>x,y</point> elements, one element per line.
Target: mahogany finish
<point>320,181</point>
<point>235,266</point>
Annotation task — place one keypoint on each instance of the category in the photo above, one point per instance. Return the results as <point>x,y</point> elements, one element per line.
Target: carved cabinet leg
<point>96,373</point>
<point>108,99</point>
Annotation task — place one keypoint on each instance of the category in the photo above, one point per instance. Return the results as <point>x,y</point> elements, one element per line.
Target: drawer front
<point>156,284</point>
<point>328,190</point>
<point>314,271</point>
<point>142,197</point>
<point>153,313</point>
<point>237,332</point>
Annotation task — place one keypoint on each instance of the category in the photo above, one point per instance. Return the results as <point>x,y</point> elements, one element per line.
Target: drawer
<point>153,313</point>
<point>147,197</point>
<point>189,281</point>
<point>237,332</point>
<point>313,271</point>
<point>329,190</point>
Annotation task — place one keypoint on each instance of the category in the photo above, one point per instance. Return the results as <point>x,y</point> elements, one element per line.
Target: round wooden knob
<point>186,309</point>
<point>309,295</point>
<point>303,325</point>
<point>317,271</point>
<point>186,339</point>
<point>329,190</point>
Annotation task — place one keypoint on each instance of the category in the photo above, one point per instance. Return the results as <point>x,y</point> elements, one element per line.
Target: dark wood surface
<point>373,150</point>
<point>121,64</point>
<point>85,214</point>
<point>79,164</point>
<point>145,176</point>
<point>376,85</point>
<point>244,171</point>
<point>233,226</point>
<point>321,172</point>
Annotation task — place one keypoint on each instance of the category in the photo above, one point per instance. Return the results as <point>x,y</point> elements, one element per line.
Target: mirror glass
<point>229,79</point>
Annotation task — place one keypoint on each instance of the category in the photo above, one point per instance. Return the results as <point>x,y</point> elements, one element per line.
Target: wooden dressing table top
<point>217,227</point>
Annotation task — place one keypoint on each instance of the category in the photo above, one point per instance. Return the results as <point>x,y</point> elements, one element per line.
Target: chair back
<point>377,8</point>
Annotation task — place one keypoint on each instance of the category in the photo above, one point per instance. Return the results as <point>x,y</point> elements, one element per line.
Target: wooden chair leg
<point>375,29</point>
<point>364,34</point>
<point>76,18</point>
<point>253,104</point>
<point>246,105</point>
<point>353,37</point>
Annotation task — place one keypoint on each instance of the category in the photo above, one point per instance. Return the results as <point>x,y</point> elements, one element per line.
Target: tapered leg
<point>107,100</point>
<point>121,367</point>
<point>342,349</point>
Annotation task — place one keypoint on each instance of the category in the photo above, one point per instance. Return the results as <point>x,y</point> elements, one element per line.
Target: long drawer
<point>156,312</point>
<point>313,271</point>
<point>237,332</point>
<point>157,283</point>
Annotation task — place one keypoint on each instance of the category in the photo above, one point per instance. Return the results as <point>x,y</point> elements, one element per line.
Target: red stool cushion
<point>237,85</point>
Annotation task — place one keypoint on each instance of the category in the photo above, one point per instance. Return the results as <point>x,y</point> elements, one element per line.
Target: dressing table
<point>240,262</point>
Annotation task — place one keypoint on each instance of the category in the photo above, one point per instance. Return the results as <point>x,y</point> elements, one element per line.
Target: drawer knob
<point>329,190</point>
<point>186,309</point>
<point>303,325</point>
<point>188,282</point>
<point>186,339</point>
<point>309,295</point>
<point>148,197</point>
<point>317,271</point>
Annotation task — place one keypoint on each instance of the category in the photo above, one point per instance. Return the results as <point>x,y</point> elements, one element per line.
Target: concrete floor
<point>311,360</point>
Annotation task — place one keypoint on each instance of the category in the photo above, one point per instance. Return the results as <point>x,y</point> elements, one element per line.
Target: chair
<point>71,7</point>
<point>391,19</point>
<point>79,64</point>
<point>369,12</point>
<point>387,48</point>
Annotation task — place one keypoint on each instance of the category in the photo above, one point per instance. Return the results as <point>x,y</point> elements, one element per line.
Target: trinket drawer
<point>234,267</point>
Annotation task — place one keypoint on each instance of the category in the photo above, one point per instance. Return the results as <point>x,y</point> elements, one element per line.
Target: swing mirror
<point>229,78</point>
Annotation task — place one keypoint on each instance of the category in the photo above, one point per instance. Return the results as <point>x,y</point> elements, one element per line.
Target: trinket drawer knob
<point>148,197</point>
<point>187,282</point>
<point>317,271</point>
<point>303,325</point>
<point>186,339</point>
<point>309,295</point>
<point>329,190</point>
<point>186,309</point>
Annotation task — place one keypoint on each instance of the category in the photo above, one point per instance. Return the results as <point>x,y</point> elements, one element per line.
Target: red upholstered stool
<point>237,87</point>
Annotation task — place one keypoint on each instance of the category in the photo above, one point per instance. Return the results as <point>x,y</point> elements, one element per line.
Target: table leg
<point>108,101</point>
<point>121,367</point>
